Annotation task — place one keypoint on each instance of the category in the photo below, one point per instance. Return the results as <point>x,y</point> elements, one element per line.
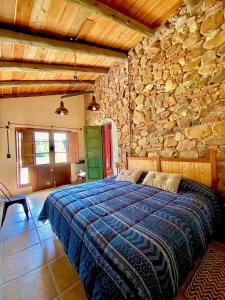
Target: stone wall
<point>176,87</point>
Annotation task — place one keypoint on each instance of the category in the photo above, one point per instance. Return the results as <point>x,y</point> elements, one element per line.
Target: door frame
<point>104,143</point>
<point>51,165</point>
<point>114,140</point>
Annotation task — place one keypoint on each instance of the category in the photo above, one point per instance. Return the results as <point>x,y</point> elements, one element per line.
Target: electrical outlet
<point>8,155</point>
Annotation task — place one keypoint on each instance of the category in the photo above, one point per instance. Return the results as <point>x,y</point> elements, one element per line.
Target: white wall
<point>40,111</point>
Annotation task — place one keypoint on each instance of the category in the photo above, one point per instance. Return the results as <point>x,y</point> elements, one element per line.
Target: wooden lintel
<point>114,15</point>
<point>9,36</point>
<point>33,67</point>
<point>44,83</point>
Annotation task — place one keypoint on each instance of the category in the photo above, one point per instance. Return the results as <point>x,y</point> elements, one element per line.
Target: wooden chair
<point>9,199</point>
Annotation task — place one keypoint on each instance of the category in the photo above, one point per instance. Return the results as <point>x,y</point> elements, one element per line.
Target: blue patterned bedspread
<point>130,241</point>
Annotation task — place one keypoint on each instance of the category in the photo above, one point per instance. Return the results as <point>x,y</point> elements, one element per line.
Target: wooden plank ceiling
<point>41,39</point>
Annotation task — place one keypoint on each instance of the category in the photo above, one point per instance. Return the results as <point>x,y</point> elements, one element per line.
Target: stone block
<point>186,145</point>
<point>212,22</point>
<point>170,85</point>
<point>219,128</point>
<point>170,142</point>
<point>192,65</point>
<point>215,140</point>
<point>192,39</point>
<point>206,69</point>
<point>216,41</point>
<point>197,132</point>
<point>138,117</point>
<point>189,154</point>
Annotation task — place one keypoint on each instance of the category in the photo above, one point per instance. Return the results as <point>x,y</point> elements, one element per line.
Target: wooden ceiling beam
<point>9,36</point>
<point>35,94</point>
<point>44,83</point>
<point>113,15</point>
<point>78,93</point>
<point>48,68</point>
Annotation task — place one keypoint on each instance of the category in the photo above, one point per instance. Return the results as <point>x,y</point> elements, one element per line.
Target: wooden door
<point>43,177</point>
<point>107,150</point>
<point>62,174</point>
<point>52,167</point>
<point>42,170</point>
<point>93,152</point>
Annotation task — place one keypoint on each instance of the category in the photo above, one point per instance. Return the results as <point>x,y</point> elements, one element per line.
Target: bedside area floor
<point>33,264</point>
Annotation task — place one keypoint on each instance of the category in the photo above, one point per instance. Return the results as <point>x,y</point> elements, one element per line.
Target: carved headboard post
<point>214,176</point>
<point>158,163</point>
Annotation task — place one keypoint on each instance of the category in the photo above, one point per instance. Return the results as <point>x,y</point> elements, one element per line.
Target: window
<point>60,147</point>
<point>23,173</point>
<point>41,148</point>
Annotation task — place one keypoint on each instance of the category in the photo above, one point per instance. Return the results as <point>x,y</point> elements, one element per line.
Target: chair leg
<point>26,209</point>
<point>5,207</point>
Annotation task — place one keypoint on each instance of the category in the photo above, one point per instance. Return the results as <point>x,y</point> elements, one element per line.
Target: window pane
<point>41,136</point>
<point>24,176</point>
<point>60,157</point>
<point>60,146</point>
<point>59,136</point>
<point>42,147</point>
<point>42,158</point>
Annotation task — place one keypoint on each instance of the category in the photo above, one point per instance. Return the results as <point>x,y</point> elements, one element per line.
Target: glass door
<point>62,167</point>
<point>44,167</point>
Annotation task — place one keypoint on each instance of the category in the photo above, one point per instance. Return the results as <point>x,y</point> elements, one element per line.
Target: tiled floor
<point>33,264</point>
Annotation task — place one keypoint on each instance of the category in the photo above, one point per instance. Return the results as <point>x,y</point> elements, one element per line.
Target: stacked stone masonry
<point>176,89</point>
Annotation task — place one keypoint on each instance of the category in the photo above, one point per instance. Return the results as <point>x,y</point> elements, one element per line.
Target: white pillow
<point>165,181</point>
<point>129,175</point>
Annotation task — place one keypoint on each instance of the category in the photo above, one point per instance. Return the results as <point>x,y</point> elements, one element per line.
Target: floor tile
<point>52,249</point>
<point>35,211</point>
<point>76,293</point>
<point>15,209</point>
<point>36,206</point>
<point>36,285</point>
<point>21,262</point>
<point>10,230</point>
<point>64,273</point>
<point>45,232</point>
<point>39,223</point>
<point>20,242</point>
<point>15,218</point>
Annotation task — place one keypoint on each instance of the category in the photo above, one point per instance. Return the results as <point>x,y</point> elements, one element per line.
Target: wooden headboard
<point>143,163</point>
<point>200,170</point>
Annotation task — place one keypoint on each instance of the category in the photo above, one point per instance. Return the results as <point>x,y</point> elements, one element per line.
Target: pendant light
<point>62,110</point>
<point>93,106</point>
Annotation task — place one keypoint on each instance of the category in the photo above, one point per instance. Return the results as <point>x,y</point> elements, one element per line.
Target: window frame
<point>18,159</point>
<point>67,148</point>
<point>49,148</point>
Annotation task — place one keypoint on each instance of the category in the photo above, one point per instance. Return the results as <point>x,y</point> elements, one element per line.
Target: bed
<point>132,241</point>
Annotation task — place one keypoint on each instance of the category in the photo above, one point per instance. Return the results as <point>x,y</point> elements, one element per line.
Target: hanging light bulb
<point>62,110</point>
<point>93,106</point>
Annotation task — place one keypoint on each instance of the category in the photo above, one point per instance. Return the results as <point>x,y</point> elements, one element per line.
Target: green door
<point>93,152</point>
